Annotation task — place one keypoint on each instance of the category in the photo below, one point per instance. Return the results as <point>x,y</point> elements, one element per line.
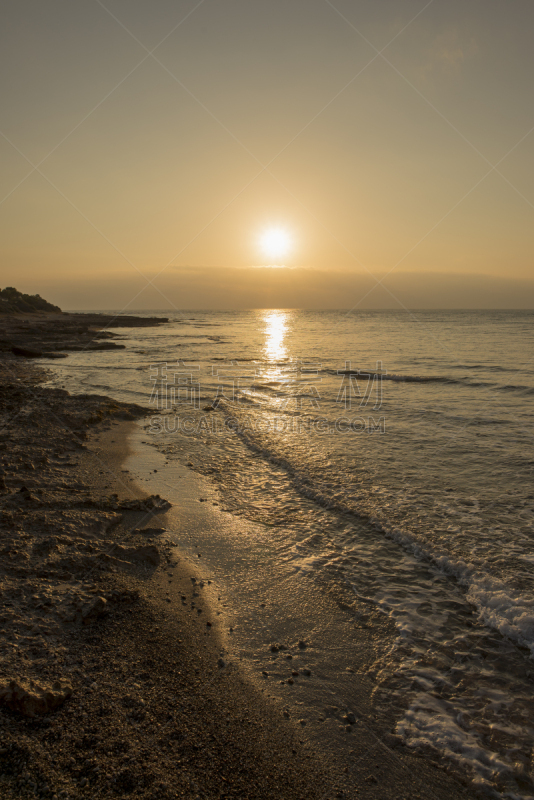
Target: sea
<point>388,453</point>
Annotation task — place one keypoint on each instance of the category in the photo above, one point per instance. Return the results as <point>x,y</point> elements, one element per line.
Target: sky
<point>149,149</point>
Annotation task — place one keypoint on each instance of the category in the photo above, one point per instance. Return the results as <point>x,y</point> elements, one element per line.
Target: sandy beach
<point>116,678</point>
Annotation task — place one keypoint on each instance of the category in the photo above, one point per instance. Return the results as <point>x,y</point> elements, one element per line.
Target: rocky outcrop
<point>28,698</point>
<point>12,302</point>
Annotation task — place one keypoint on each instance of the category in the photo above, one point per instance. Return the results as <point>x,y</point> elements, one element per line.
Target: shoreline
<point>93,615</point>
<point>268,615</point>
<point>137,702</point>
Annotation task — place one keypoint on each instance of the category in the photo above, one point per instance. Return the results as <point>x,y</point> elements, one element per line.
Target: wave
<point>510,387</point>
<point>391,376</point>
<point>442,379</point>
<point>500,607</point>
<point>488,367</point>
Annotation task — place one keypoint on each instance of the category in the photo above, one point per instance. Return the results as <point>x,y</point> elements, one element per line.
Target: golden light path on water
<point>275,333</point>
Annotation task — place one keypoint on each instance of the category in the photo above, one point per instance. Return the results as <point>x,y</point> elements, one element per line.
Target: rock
<point>151,531</point>
<point>26,353</point>
<point>221,663</point>
<point>154,503</point>
<point>105,346</point>
<point>392,740</point>
<point>302,644</point>
<point>148,553</point>
<point>27,698</point>
<point>94,609</point>
<point>350,718</point>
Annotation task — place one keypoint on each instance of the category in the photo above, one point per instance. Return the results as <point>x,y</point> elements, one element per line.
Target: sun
<point>275,242</point>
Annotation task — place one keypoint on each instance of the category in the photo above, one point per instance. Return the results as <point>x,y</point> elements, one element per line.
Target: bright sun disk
<point>275,242</point>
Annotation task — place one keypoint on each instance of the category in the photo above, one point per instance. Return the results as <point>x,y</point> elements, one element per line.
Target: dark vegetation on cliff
<point>13,301</point>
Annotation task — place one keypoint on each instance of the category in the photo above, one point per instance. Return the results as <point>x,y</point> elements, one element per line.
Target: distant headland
<point>14,302</point>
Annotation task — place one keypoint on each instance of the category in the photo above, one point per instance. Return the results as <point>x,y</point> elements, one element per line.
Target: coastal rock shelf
<point>53,335</point>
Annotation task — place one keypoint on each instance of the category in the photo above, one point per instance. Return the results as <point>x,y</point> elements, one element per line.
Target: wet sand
<point>112,684</point>
<point>104,690</point>
<point>305,648</point>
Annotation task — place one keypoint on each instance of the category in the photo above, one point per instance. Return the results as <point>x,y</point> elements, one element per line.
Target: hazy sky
<point>388,138</point>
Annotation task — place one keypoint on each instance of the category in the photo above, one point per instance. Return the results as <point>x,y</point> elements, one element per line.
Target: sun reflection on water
<point>275,332</point>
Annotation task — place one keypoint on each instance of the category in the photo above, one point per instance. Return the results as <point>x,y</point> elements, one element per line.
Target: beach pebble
<point>28,699</point>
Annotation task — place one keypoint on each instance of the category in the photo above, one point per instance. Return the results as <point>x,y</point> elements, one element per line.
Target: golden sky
<point>155,143</point>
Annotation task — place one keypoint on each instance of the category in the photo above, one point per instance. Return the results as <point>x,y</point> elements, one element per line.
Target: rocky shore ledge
<point>106,689</point>
<point>55,334</point>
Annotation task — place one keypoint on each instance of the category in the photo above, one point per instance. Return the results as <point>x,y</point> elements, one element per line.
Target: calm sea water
<point>422,424</point>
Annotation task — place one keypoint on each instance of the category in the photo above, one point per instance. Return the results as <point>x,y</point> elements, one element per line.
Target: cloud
<point>233,288</point>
